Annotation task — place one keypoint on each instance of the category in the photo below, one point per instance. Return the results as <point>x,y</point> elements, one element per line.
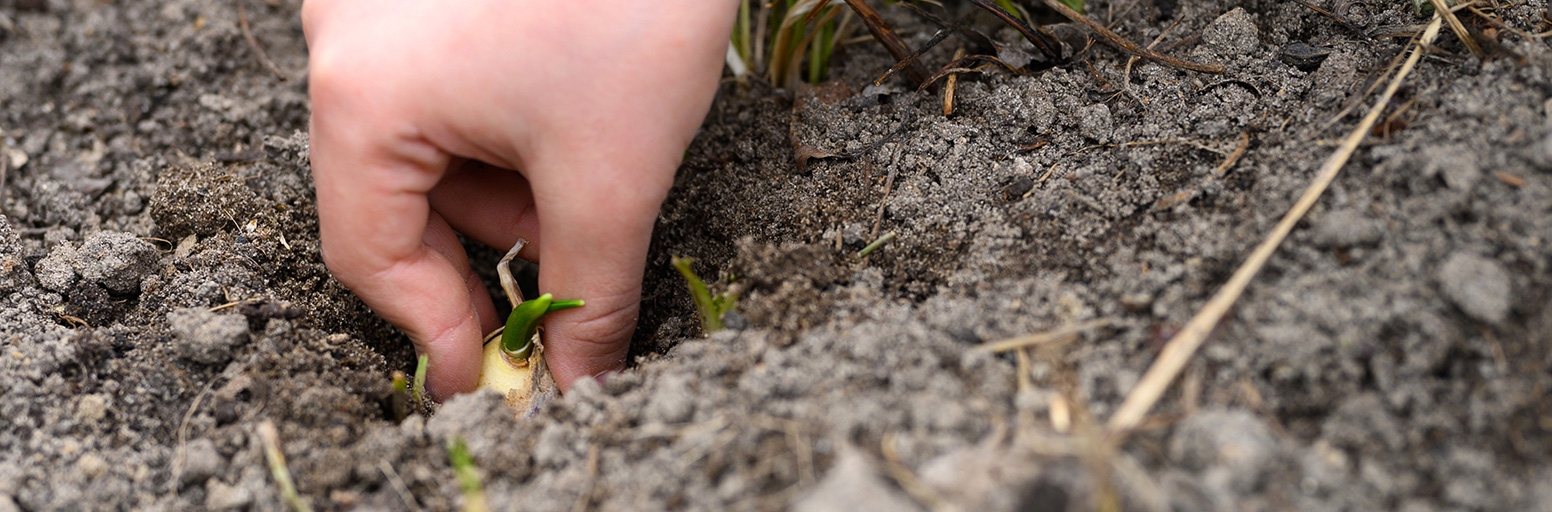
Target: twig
<point>398,485</point>
<point>1228,163</point>
<point>242,21</point>
<point>1456,27</point>
<point>883,202</point>
<point>1339,20</point>
<point>886,36</point>
<point>1178,352</point>
<point>1124,45</point>
<point>948,88</point>
<point>183,434</point>
<point>1039,39</point>
<point>1030,340</point>
<point>909,60</point>
<point>1126,76</point>
<point>277,467</point>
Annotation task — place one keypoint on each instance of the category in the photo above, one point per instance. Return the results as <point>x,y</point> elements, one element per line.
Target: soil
<point>162,296</point>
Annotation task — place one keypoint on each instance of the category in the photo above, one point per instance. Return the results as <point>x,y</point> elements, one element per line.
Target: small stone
<point>1094,122</point>
<point>8,505</point>
<point>116,260</point>
<point>207,337</point>
<point>1233,33</point>
<point>1347,228</point>
<point>92,408</point>
<point>1457,165</point>
<point>200,462</point>
<point>1478,286</point>
<point>91,466</point>
<point>853,235</point>
<point>219,496</point>
<point>1016,187</point>
<point>56,271</point>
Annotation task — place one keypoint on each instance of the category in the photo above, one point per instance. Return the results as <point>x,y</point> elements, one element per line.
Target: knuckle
<point>607,325</point>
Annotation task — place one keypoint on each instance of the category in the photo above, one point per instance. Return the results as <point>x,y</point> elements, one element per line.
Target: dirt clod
<point>1234,33</point>
<point>207,337</point>
<point>1477,285</point>
<point>115,260</point>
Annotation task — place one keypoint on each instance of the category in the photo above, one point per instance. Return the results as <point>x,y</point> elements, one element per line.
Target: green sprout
<point>743,40</point>
<point>398,401</point>
<point>468,475</point>
<point>1007,5</point>
<point>876,244</point>
<point>712,309</point>
<point>420,381</point>
<point>517,338</point>
<point>805,27</point>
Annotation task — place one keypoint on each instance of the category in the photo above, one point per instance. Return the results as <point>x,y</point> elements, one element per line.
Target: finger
<point>597,232</point>
<point>441,237</point>
<point>489,204</point>
<point>373,218</point>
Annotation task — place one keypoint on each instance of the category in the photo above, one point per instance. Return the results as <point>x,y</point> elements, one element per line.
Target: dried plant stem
<point>1178,352</point>
<point>1123,44</point>
<point>258,51</point>
<point>1044,337</point>
<point>277,467</point>
<point>1457,27</point>
<point>886,36</point>
<point>953,83</point>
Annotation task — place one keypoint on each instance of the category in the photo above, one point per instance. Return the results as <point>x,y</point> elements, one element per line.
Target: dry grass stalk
<point>948,88</point>
<point>270,438</point>
<point>1457,27</point>
<point>1178,352</point>
<point>1057,334</point>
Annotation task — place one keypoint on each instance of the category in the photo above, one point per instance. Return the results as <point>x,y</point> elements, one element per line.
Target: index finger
<point>373,218</point>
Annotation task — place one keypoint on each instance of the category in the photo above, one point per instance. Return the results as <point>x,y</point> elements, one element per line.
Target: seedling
<point>420,382</point>
<point>514,365</point>
<point>399,400</point>
<point>468,475</point>
<point>806,26</point>
<point>711,309</point>
<point>741,49</point>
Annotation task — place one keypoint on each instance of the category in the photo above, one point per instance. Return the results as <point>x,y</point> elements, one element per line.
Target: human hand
<point>590,102</point>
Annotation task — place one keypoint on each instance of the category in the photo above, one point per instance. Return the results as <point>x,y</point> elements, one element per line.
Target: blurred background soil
<point>161,293</point>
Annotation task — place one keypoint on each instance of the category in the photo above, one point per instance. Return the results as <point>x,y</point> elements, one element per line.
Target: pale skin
<point>560,122</point>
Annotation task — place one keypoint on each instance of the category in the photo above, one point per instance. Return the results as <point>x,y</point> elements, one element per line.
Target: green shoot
<point>1076,5</point>
<point>877,244</point>
<point>468,475</point>
<point>743,36</point>
<point>517,338</point>
<point>420,381</point>
<point>1007,5</point>
<point>806,27</point>
<point>711,309</point>
<point>398,400</point>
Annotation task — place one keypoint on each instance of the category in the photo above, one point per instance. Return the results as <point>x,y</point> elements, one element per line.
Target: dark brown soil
<point>1395,354</point>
